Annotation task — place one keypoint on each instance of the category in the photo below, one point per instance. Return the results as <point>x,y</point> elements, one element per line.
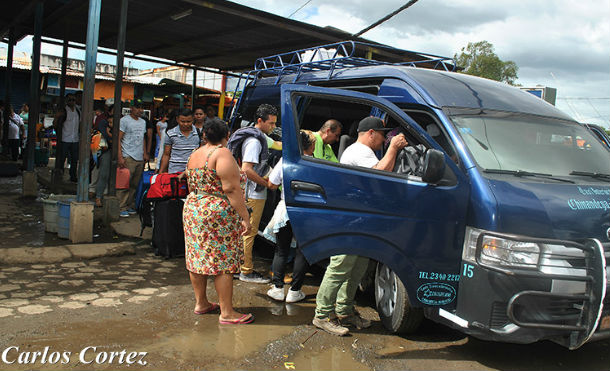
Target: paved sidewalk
<point>55,254</point>
<point>23,239</point>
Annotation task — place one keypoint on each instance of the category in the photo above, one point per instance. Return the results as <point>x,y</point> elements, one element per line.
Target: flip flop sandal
<point>212,308</point>
<point>245,319</point>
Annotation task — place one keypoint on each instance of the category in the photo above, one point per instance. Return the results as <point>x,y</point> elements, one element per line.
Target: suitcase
<point>143,186</point>
<point>168,232</point>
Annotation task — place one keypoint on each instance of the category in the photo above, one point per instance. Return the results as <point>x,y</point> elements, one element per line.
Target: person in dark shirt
<point>105,157</point>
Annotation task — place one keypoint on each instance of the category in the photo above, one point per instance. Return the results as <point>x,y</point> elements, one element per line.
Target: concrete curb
<point>33,255</point>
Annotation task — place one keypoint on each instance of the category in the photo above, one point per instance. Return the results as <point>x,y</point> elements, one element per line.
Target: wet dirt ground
<point>136,312</point>
<point>142,303</point>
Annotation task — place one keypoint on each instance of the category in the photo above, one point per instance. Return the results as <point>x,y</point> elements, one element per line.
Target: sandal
<point>246,318</point>
<point>211,308</point>
<point>98,202</point>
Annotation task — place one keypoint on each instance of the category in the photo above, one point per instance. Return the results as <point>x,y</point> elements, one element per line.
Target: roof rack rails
<point>342,54</point>
<point>339,55</point>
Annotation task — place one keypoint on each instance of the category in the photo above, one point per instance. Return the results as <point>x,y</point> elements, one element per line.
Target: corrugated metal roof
<point>215,33</point>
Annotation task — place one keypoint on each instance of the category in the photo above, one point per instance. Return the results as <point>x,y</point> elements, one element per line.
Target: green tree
<point>480,59</point>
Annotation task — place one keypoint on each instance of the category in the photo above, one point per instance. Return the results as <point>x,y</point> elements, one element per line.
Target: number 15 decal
<point>468,270</point>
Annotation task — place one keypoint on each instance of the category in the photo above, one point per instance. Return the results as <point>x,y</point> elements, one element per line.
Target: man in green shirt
<point>328,134</point>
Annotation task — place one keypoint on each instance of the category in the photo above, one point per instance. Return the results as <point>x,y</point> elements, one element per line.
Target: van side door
<point>409,225</point>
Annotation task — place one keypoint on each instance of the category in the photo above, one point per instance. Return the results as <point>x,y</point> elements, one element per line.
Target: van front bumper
<point>564,298</point>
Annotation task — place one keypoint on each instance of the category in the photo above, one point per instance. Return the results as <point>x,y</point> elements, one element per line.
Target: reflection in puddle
<point>209,338</point>
<point>329,359</point>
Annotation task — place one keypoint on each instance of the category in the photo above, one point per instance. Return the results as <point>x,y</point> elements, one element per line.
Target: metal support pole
<point>194,89</point>
<point>221,100</point>
<point>62,102</point>
<point>118,86</point>
<point>93,31</point>
<point>34,88</point>
<point>9,82</point>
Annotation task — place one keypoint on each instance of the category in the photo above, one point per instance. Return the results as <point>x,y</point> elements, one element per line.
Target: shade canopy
<point>212,33</point>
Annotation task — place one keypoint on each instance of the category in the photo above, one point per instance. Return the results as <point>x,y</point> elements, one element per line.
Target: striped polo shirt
<point>182,147</point>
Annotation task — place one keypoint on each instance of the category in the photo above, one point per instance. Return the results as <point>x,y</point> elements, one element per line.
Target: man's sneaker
<point>355,320</point>
<point>294,296</point>
<point>124,214</point>
<point>330,325</point>
<point>132,211</point>
<point>276,293</point>
<point>253,277</point>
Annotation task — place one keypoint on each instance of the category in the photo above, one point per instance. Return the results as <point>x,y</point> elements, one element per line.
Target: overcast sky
<point>563,44</point>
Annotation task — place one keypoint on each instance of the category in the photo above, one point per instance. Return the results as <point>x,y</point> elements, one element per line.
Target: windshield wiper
<point>521,173</point>
<point>591,174</point>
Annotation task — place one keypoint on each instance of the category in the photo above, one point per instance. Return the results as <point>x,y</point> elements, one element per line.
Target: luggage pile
<point>160,206</point>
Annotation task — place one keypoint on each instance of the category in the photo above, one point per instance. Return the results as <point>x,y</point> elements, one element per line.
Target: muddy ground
<point>142,303</point>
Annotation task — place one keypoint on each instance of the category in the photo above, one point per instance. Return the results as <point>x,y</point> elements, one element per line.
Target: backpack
<point>145,211</point>
<point>236,142</point>
<point>410,160</point>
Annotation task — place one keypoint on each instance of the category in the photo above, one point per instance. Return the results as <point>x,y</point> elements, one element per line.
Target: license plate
<point>605,323</point>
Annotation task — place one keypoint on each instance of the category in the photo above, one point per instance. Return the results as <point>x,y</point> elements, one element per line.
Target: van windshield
<point>517,142</point>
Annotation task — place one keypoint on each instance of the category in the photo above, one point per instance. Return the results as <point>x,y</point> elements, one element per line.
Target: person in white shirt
<point>16,129</point>
<point>279,231</point>
<point>69,121</point>
<point>161,128</point>
<point>132,155</point>
<point>344,272</point>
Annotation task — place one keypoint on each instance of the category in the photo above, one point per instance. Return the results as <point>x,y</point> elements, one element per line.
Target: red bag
<point>164,186</point>
<point>122,178</point>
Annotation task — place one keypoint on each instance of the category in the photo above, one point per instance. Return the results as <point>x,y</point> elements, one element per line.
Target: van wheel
<point>393,305</point>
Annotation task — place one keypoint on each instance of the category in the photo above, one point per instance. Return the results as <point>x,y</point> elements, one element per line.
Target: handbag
<point>122,178</point>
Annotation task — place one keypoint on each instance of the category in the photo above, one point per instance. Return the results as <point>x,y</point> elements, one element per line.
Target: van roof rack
<point>339,55</point>
<point>345,54</point>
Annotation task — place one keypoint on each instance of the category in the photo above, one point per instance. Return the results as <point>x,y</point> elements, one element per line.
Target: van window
<point>515,141</point>
<point>315,111</point>
<point>434,129</point>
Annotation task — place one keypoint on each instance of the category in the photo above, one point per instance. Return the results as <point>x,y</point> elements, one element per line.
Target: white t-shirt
<point>251,149</point>
<point>132,144</point>
<point>359,154</point>
<point>162,126</point>
<point>69,131</point>
<point>13,130</point>
<point>276,176</point>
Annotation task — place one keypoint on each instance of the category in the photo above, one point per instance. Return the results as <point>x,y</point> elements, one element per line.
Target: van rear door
<point>335,209</point>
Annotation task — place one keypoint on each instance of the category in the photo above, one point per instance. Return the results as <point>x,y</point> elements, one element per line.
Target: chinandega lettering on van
<point>502,234</point>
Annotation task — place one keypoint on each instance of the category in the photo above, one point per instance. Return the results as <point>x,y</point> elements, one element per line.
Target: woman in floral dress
<point>215,218</point>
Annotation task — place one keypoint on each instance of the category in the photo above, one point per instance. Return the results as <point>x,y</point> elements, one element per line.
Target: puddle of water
<point>208,338</point>
<point>393,347</point>
<point>329,359</point>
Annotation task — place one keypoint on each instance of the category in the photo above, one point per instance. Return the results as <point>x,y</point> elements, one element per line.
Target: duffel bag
<point>165,186</point>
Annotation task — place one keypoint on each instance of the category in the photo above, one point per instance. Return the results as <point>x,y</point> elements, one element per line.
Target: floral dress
<point>212,227</point>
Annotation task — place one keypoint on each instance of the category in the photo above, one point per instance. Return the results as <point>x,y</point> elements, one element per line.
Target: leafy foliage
<point>480,59</point>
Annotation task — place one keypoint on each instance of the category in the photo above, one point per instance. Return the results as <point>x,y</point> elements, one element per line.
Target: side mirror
<point>434,166</point>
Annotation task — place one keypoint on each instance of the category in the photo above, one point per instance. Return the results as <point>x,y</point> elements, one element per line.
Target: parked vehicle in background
<point>505,235</point>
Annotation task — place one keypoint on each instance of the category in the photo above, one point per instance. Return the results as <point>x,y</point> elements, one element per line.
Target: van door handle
<point>297,186</point>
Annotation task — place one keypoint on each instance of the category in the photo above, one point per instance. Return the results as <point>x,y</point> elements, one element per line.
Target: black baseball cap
<point>371,122</point>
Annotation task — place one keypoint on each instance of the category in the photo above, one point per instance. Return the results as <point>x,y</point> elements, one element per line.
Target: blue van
<point>506,233</point>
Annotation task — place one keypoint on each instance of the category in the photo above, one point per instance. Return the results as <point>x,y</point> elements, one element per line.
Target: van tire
<point>393,304</point>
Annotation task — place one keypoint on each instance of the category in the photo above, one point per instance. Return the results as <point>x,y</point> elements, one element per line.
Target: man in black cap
<point>344,273</point>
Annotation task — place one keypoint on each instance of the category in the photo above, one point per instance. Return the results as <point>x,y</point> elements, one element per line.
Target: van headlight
<point>499,251</point>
